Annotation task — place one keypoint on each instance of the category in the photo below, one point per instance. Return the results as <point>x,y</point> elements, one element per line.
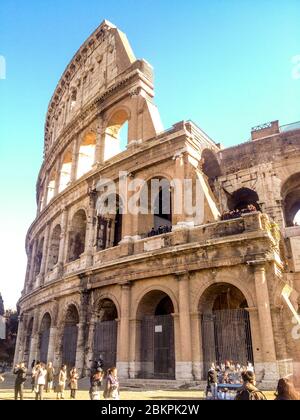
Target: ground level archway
<point>44,338</point>
<point>156,336</point>
<point>106,333</point>
<point>225,326</point>
<point>69,338</point>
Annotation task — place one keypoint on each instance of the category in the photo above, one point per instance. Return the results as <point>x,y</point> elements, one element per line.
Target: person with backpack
<point>212,382</point>
<point>21,372</point>
<point>248,391</point>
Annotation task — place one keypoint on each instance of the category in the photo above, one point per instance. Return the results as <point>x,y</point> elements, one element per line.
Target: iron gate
<point>69,345</point>
<point>226,335</point>
<point>105,343</point>
<point>44,345</point>
<point>157,347</point>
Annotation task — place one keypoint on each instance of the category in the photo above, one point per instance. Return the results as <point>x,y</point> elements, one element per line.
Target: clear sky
<point>226,64</point>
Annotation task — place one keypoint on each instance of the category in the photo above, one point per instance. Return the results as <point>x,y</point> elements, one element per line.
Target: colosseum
<point>158,294</point>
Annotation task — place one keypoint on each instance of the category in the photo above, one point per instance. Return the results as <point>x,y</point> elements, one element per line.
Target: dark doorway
<point>157,339</point>
<point>106,330</point>
<point>69,339</point>
<point>226,331</point>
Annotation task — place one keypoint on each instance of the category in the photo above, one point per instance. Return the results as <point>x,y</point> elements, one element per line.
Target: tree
<point>7,346</point>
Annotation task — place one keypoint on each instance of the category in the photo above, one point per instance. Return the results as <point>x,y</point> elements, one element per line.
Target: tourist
<point>40,382</point>
<point>73,382</point>
<point>248,391</point>
<point>21,372</point>
<point>112,386</point>
<point>50,377</point>
<point>62,377</point>
<point>212,382</point>
<point>286,391</point>
<point>96,382</point>
<point>1,379</point>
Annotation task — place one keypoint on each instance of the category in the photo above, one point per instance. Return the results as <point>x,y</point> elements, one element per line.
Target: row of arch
<point>155,351</point>
<point>75,164</point>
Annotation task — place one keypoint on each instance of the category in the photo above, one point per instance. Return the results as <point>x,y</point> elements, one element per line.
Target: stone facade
<point>98,283</point>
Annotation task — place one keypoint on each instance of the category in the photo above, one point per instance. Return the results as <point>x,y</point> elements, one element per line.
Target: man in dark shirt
<point>20,371</point>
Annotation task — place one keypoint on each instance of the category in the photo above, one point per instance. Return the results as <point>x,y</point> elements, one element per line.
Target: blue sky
<point>226,64</point>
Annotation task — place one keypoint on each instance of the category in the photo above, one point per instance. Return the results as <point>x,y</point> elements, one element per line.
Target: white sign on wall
<point>158,328</point>
<point>295,244</point>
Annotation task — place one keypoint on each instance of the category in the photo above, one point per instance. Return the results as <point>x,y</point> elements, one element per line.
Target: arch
<point>156,338</point>
<point>155,287</point>
<point>110,223</point>
<point>290,193</point>
<point>77,236</point>
<point>156,207</point>
<point>44,336</point>
<point>86,156</point>
<point>225,325</point>
<point>242,198</point>
<point>114,143</point>
<point>54,247</point>
<point>65,171</point>
<point>106,332</point>
<point>51,186</point>
<point>70,335</point>
<point>106,296</point>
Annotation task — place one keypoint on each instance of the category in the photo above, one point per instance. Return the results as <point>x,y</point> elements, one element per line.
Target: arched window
<point>51,186</point>
<point>77,236</point>
<point>54,248</point>
<point>86,157</point>
<point>65,172</point>
<point>210,167</point>
<point>110,224</point>
<point>116,135</point>
<point>291,200</point>
<point>38,257</point>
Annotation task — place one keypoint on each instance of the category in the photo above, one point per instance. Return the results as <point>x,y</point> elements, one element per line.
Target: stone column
<point>124,335</point>
<point>75,154</point>
<point>45,254</point>
<point>89,349</point>
<point>89,242</point>
<point>265,323</point>
<point>83,331</point>
<point>57,176</point>
<point>32,267</point>
<point>52,343</point>
<point>64,228</point>
<point>19,349</point>
<point>184,367</point>
<point>197,350</point>
<point>135,348</point>
<point>34,338</point>
<point>80,352</point>
<point>99,150</point>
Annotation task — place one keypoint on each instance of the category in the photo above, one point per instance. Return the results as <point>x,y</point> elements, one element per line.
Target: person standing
<point>34,368</point>
<point>112,386</point>
<point>49,377</point>
<point>212,381</point>
<point>62,377</point>
<point>74,382</point>
<point>40,382</point>
<point>96,382</point>
<point>20,371</point>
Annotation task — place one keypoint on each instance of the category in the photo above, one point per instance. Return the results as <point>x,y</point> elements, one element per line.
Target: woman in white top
<point>41,374</point>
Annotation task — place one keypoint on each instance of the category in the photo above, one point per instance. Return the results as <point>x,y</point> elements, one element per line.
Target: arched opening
<point>44,338</point>
<point>65,172</point>
<point>225,326</point>
<point>28,335</point>
<point>106,331</point>
<point>77,236</point>
<point>244,200</point>
<point>69,338</point>
<point>54,248</point>
<point>156,336</point>
<point>39,257</point>
<point>110,223</point>
<point>156,204</point>
<point>291,200</point>
<point>116,135</point>
<point>86,157</point>
<point>51,186</point>
<point>210,167</point>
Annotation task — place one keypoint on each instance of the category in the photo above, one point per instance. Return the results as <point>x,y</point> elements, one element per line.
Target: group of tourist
<point>45,379</point>
<point>233,381</point>
<point>160,231</point>
<point>235,214</point>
